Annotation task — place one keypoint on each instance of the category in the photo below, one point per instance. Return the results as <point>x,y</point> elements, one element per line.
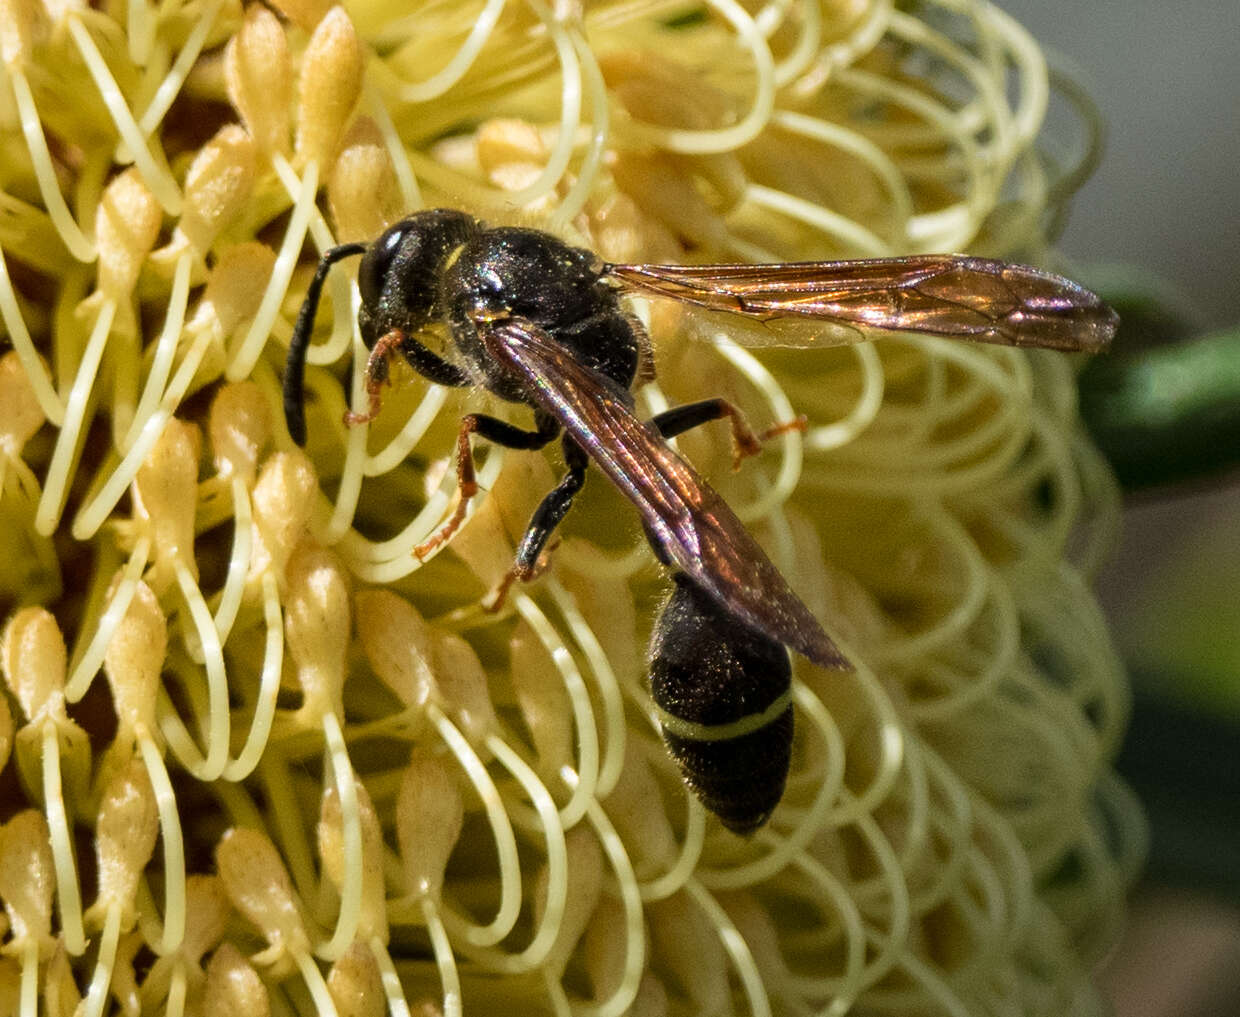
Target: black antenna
<point>295,366</point>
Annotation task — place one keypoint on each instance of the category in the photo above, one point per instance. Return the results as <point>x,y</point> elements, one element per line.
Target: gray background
<point>1165,199</point>
<point>1167,195</point>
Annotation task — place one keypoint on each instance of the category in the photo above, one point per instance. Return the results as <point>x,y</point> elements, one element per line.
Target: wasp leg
<point>530,562</point>
<point>377,375</point>
<point>422,360</point>
<point>499,432</point>
<point>745,442</point>
<point>432,366</point>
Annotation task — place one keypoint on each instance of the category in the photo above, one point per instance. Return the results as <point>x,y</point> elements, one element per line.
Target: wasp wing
<point>684,516</point>
<point>937,294</point>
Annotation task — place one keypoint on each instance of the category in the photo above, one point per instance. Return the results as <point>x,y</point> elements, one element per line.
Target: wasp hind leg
<point>745,442</point>
<point>500,433</point>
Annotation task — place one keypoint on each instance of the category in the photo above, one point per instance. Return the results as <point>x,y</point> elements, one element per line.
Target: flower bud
<point>20,413</point>
<point>125,835</point>
<point>134,661</point>
<point>462,681</point>
<point>283,498</point>
<point>126,228</point>
<point>511,152</point>
<point>235,287</point>
<point>688,947</point>
<point>217,185</point>
<point>259,887</point>
<point>429,816</point>
<point>239,427</point>
<point>356,984</point>
<point>23,23</point>
<point>373,919</point>
<point>206,911</point>
<point>166,488</point>
<point>258,75</point>
<point>34,660</point>
<point>544,703</point>
<point>317,622</point>
<point>330,84</point>
<point>636,807</point>
<point>233,987</point>
<point>362,189</point>
<point>398,644</point>
<point>27,877</point>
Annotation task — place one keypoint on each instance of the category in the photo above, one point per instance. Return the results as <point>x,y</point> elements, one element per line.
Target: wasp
<point>536,321</point>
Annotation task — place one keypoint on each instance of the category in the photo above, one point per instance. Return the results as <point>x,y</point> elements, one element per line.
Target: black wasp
<point>538,322</point>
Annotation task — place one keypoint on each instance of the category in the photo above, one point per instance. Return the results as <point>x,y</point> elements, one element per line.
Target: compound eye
<point>372,274</point>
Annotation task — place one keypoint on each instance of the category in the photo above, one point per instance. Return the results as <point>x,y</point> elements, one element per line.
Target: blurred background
<point>1156,229</point>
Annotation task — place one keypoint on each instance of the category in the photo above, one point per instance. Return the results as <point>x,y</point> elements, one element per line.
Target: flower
<point>311,766</point>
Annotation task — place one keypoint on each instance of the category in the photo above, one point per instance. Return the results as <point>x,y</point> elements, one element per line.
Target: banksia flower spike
<point>257,757</point>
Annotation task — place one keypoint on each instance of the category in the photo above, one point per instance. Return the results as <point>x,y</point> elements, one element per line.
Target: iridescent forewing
<point>937,294</point>
<point>689,521</point>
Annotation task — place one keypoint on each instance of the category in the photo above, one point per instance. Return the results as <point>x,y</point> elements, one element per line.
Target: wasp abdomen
<point>724,693</point>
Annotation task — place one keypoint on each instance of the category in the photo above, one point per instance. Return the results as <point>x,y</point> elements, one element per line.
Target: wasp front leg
<point>378,374</point>
<point>422,360</point>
